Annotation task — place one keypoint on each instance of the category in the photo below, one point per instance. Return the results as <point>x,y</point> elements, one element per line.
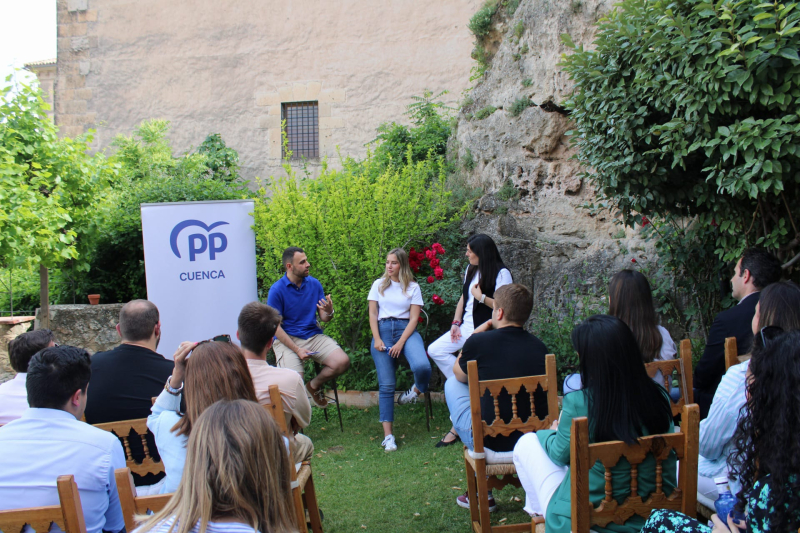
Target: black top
<point>509,352</point>
<point>734,322</point>
<point>480,312</point>
<point>124,382</point>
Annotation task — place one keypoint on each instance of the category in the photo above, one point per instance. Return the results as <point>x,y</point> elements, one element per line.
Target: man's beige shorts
<point>286,358</point>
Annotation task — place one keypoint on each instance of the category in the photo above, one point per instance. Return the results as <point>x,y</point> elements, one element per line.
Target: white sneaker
<point>408,396</point>
<point>389,445</point>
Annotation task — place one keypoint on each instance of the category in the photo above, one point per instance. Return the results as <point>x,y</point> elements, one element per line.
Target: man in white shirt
<point>257,326</point>
<point>49,440</point>
<point>13,395</point>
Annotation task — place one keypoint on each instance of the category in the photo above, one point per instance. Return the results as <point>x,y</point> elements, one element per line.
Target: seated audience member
<point>766,457</point>
<point>257,326</point>
<point>778,310</point>
<point>13,395</point>
<point>756,269</point>
<point>236,478</point>
<point>621,403</point>
<point>631,300</point>
<point>49,440</point>
<point>215,371</point>
<point>507,351</point>
<point>126,379</point>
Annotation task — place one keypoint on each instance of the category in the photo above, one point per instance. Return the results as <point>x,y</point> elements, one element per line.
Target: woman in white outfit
<point>486,273</point>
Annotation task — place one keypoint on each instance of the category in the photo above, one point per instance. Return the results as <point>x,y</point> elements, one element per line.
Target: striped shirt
<point>213,527</point>
<point>716,430</point>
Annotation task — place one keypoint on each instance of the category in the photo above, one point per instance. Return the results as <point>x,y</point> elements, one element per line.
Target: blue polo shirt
<point>297,305</point>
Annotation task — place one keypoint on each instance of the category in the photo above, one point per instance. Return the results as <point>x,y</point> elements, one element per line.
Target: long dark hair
<point>778,305</point>
<point>489,261</point>
<point>765,442</point>
<point>622,398</point>
<point>631,300</point>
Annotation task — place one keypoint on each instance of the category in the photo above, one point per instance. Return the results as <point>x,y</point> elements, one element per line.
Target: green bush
<point>481,57</point>
<point>468,162</point>
<point>222,162</point>
<point>527,82</point>
<point>519,29</point>
<point>511,6</point>
<point>519,105</point>
<point>507,191</point>
<point>524,50</point>
<point>481,22</point>
<point>485,112</point>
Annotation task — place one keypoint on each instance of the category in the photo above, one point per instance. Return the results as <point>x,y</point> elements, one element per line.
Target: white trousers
<point>539,476</point>
<point>442,349</point>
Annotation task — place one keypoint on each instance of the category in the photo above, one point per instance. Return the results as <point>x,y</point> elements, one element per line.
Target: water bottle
<point>726,501</point>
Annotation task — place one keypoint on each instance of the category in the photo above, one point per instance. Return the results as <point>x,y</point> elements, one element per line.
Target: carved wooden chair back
<point>133,505</point>
<point>731,353</point>
<point>123,430</point>
<point>68,515</point>
<point>482,476</point>
<point>303,493</point>
<point>680,369</point>
<point>584,455</point>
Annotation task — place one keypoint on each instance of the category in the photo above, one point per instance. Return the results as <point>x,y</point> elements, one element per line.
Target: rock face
<point>534,190</point>
<point>10,328</point>
<point>92,327</point>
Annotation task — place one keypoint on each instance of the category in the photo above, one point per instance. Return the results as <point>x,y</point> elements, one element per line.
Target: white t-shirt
<point>503,278</point>
<point>668,349</point>
<point>393,303</point>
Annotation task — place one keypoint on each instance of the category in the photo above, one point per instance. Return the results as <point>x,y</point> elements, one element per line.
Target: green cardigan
<point>558,516</point>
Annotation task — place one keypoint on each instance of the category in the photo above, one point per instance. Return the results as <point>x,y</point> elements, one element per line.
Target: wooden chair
<point>683,365</point>
<point>303,493</point>
<point>731,353</point>
<point>122,430</point>
<point>483,477</point>
<point>132,504</point>
<point>68,515</point>
<point>583,456</point>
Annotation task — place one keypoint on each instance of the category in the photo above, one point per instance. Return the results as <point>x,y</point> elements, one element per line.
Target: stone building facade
<point>232,67</point>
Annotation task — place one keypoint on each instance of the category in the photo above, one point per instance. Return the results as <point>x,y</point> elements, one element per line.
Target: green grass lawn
<point>360,487</point>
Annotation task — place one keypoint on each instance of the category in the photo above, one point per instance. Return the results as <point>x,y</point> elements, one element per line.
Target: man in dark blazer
<point>756,269</point>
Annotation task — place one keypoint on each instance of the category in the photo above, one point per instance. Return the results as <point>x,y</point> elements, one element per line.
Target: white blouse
<point>503,278</point>
<point>393,303</point>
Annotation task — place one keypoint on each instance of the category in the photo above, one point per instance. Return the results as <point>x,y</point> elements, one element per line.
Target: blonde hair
<point>406,275</point>
<point>237,466</point>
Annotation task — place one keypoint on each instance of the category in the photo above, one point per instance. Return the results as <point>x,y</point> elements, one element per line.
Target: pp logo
<point>214,243</point>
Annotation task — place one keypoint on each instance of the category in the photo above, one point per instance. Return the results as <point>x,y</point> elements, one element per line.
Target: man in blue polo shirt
<point>299,297</point>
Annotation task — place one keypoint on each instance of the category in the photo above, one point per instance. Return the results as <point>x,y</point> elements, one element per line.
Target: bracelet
<point>457,323</point>
<point>483,297</point>
<point>174,392</point>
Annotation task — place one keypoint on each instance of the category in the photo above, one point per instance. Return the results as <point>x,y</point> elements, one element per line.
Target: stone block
<point>285,94</point>
<point>332,96</point>
<point>77,5</point>
<point>73,107</point>
<point>10,329</point>
<point>64,30</point>
<point>77,30</point>
<point>83,68</point>
<point>81,94</point>
<point>324,110</point>
<point>269,122</point>
<point>79,43</point>
<point>299,92</point>
<point>275,149</point>
<point>92,327</point>
<point>267,99</point>
<point>331,123</point>
<point>274,110</point>
<point>88,16</point>
<point>312,90</point>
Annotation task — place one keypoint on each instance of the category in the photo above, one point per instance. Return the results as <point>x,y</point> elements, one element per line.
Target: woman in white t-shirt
<point>395,302</point>
<point>485,274</point>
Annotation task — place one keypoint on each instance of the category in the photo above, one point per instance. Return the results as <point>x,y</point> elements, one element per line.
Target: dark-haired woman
<point>485,274</point>
<point>631,300</point>
<point>621,403</point>
<point>766,458</point>
<point>778,308</point>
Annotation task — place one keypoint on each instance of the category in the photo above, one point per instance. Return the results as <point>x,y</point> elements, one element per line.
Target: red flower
<point>430,254</point>
<point>438,272</point>
<point>714,223</point>
<point>434,262</point>
<point>438,248</point>
<point>437,299</point>
<point>426,249</point>
<point>419,320</point>
<point>420,257</point>
<point>415,267</point>
<point>412,253</point>
<point>645,221</point>
<point>633,260</point>
<point>430,279</point>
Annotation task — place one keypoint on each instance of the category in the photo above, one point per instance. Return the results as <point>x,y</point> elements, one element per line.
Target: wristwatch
<point>170,390</point>
<point>483,297</point>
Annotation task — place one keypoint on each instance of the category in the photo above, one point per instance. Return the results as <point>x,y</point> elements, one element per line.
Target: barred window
<point>302,129</point>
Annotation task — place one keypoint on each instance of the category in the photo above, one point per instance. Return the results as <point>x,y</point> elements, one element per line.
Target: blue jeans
<point>457,396</point>
<point>391,329</point>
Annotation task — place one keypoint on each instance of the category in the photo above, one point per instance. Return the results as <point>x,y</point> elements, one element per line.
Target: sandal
<point>442,443</point>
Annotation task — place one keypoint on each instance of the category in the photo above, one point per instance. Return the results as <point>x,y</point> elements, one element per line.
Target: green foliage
<point>427,137</point>
<point>468,162</point>
<point>149,173</point>
<point>525,49</point>
<point>507,191</point>
<point>519,29</point>
<point>485,112</point>
<point>48,185</point>
<point>347,220</point>
<point>222,162</point>
<point>19,291</point>
<point>527,82</point>
<point>689,110</point>
<point>481,57</point>
<point>511,6</point>
<point>481,22</point>
<point>517,57</point>
<point>519,105</point>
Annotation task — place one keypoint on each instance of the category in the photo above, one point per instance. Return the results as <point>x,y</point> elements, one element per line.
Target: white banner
<point>200,263</point>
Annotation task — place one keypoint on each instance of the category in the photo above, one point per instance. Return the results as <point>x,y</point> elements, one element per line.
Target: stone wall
<point>92,327</point>
<point>212,67</point>
<point>550,242</point>
<point>10,328</point>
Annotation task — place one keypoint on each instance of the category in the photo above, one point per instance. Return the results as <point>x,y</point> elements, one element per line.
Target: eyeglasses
<point>769,332</point>
<point>218,338</point>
